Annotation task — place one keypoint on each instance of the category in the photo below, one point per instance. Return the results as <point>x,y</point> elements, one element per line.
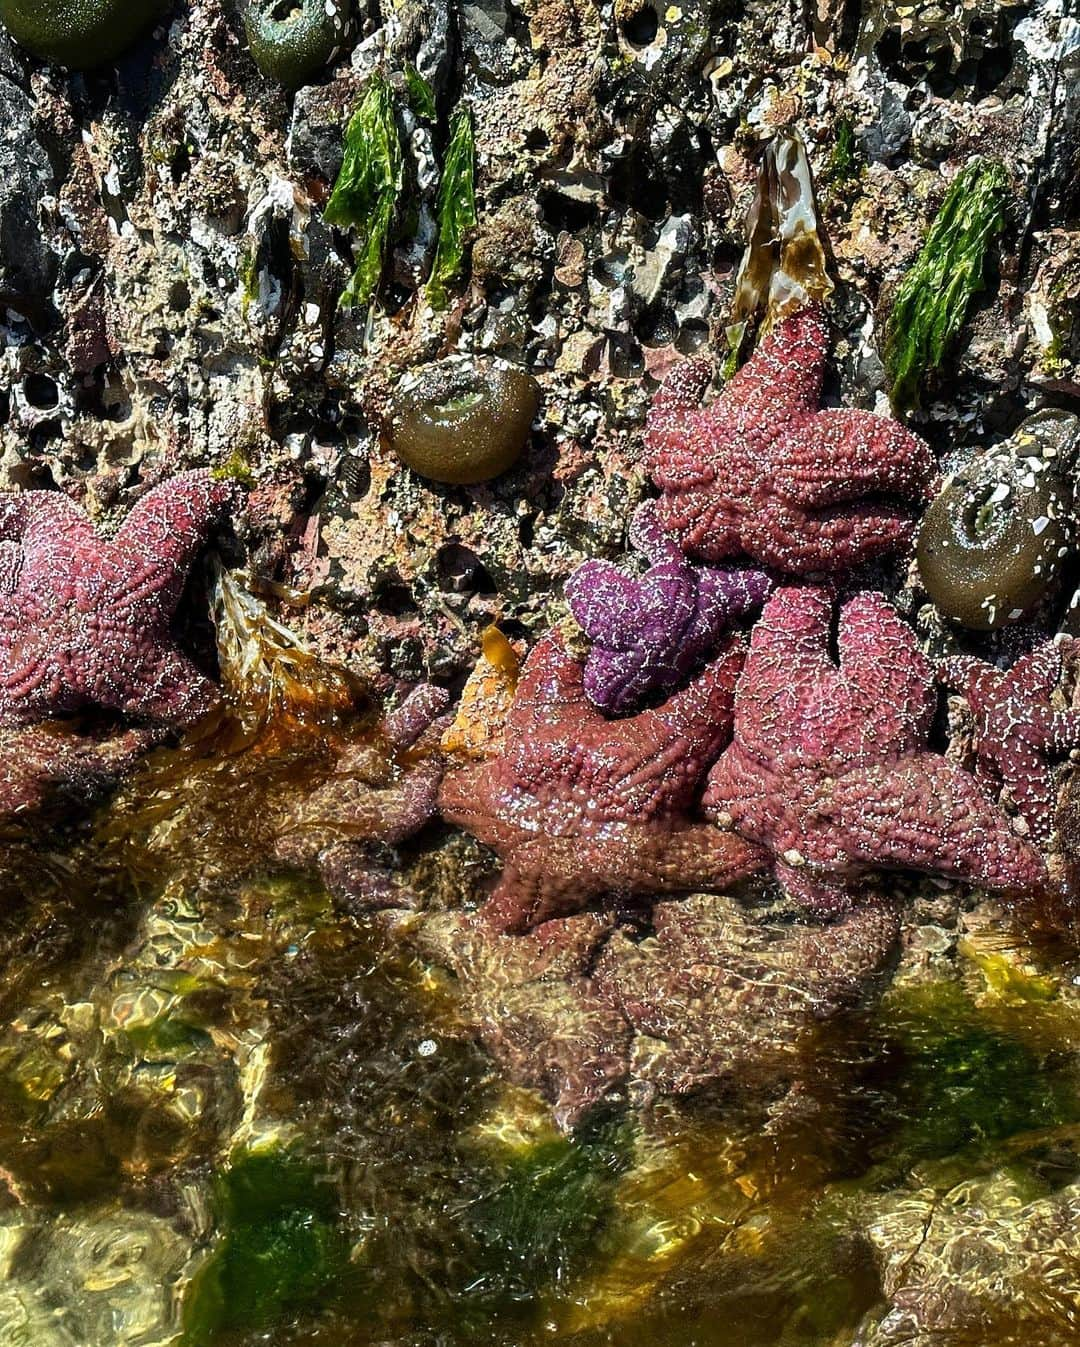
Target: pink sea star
<point>1017,731</point>
<point>577,805</point>
<point>84,622</point>
<point>829,766</point>
<point>46,768</point>
<point>763,471</point>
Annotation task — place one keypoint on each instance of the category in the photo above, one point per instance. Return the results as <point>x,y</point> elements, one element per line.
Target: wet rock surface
<point>237,1105</point>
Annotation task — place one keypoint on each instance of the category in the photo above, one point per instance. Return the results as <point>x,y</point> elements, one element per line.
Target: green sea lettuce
<point>933,298</point>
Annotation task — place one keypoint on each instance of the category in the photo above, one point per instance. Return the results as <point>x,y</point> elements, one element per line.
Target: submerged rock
<point>989,1261</point>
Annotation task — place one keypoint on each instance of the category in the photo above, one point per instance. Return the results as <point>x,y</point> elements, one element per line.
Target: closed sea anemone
<point>79,33</point>
<point>992,542</point>
<point>293,40</point>
<point>463,420</point>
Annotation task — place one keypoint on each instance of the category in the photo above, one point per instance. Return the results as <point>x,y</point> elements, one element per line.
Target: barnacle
<point>79,33</point>
<point>291,40</point>
<point>992,543</point>
<point>463,421</point>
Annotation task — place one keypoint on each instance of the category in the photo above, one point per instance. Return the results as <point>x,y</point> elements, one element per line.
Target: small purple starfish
<point>1017,730</point>
<point>650,633</point>
<point>85,622</point>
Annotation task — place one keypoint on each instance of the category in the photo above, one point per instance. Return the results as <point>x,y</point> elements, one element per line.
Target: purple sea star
<point>1016,728</point>
<point>577,805</point>
<point>763,471</point>
<point>829,766</point>
<point>650,633</point>
<point>85,622</point>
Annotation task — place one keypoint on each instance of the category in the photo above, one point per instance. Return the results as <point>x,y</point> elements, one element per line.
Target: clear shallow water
<point>231,1113</point>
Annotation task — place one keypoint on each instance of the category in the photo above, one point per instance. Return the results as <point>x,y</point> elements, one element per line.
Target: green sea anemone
<point>79,33</point>
<point>463,421</point>
<point>292,40</point>
<point>993,542</point>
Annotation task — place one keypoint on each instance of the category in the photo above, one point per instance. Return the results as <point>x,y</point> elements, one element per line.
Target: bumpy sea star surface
<point>531,1002</point>
<point>649,633</point>
<point>577,805</point>
<point>84,622</point>
<point>763,471</point>
<point>54,765</point>
<point>1017,731</point>
<point>714,994</point>
<point>581,1007</point>
<point>829,766</point>
<point>379,791</point>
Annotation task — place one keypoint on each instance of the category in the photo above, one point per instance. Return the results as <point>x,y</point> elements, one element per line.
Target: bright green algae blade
<point>933,298</point>
<point>367,188</point>
<point>456,210</point>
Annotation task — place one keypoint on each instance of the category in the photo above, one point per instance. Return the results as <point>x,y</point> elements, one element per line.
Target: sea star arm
<point>681,392</point>
<point>648,535</point>
<point>606,602</point>
<point>958,672</point>
<point>1029,781</point>
<point>833,539</point>
<point>168,526</point>
<point>788,656</point>
<point>925,813</point>
<point>44,521</point>
<point>815,890</point>
<point>671,449</point>
<point>883,665</point>
<point>170,689</point>
<point>677,742</point>
<point>1056,731</point>
<point>781,382</point>
<point>843,454</point>
<point>416,714</point>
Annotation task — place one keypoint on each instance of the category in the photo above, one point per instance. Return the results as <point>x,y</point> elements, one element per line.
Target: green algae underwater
<point>234,1112</point>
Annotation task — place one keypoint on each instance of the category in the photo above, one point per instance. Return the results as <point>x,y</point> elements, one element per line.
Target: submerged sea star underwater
<point>380,790</point>
<point>649,633</point>
<point>85,622</point>
<point>830,767</point>
<point>577,805</point>
<point>1017,731</point>
<point>763,471</point>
